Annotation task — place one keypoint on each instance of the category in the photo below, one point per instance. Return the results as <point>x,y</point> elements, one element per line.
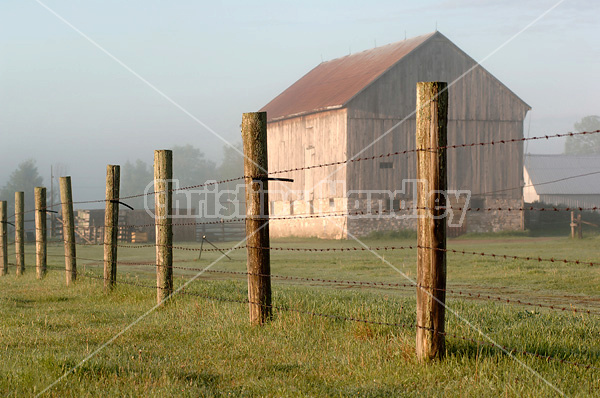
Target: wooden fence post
<point>222,230</point>
<point>432,114</point>
<point>3,238</point>
<point>111,225</point>
<point>66,197</point>
<point>163,203</point>
<point>40,232</point>
<point>579,227</point>
<point>20,232</point>
<point>52,216</point>
<point>254,136</point>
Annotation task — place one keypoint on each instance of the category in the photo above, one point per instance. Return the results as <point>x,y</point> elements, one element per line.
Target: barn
<point>562,180</point>
<point>363,105</point>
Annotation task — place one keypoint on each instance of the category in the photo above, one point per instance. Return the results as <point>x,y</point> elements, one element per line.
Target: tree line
<point>584,144</point>
<point>190,167</point>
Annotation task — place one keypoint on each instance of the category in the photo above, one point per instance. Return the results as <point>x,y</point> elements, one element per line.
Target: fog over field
<point>162,74</point>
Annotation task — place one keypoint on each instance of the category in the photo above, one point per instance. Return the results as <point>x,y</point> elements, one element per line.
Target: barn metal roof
<point>564,174</point>
<point>332,84</point>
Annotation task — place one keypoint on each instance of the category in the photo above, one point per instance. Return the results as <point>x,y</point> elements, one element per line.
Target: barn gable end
<point>481,109</point>
<point>363,105</point>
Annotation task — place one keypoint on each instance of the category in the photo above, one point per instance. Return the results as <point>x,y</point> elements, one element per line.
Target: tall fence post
<point>163,203</point>
<point>3,238</point>
<point>254,136</point>
<point>20,232</point>
<point>40,232</point>
<point>66,197</point>
<point>432,117</point>
<point>111,225</point>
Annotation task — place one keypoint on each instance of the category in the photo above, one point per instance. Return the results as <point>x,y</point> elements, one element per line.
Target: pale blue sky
<point>63,100</point>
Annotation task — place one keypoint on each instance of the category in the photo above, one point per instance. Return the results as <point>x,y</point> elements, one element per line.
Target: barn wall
<point>304,225</point>
<point>487,220</point>
<point>303,142</point>
<point>381,120</point>
<point>484,170</point>
<point>480,109</point>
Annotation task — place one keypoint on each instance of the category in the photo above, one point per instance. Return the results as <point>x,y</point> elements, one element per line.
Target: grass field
<point>194,346</point>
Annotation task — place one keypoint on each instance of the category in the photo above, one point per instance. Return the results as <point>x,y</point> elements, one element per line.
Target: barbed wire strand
<point>353,160</point>
<point>466,294</point>
<point>456,146</point>
<point>360,320</point>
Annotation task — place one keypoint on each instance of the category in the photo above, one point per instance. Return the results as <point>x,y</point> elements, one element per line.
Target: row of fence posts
<point>40,212</point>
<point>431,120</point>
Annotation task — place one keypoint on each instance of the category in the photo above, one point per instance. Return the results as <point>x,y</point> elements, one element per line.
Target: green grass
<point>495,235</point>
<point>199,347</point>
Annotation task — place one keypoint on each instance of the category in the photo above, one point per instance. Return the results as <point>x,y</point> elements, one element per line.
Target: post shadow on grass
<point>472,350</point>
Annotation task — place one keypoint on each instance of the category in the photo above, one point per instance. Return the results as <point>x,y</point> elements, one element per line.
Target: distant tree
<point>24,178</point>
<point>585,144</point>
<point>190,166</point>
<point>135,177</point>
<point>232,165</point>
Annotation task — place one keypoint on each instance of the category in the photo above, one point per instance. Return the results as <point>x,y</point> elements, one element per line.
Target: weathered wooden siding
<point>480,109</point>
<point>304,141</point>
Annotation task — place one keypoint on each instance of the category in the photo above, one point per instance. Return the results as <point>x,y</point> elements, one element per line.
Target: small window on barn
<point>331,204</point>
<point>386,165</point>
<point>291,207</point>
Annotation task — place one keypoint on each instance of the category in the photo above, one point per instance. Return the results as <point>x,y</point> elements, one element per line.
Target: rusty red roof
<point>332,84</point>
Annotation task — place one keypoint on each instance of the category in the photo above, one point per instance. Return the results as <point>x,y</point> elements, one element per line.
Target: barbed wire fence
<point>472,292</point>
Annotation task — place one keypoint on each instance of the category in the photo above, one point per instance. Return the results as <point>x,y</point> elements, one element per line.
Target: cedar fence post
<point>3,239</point>
<point>40,232</point>
<point>66,197</point>
<point>20,232</point>
<point>163,203</point>
<point>111,225</point>
<point>254,136</point>
<point>432,113</point>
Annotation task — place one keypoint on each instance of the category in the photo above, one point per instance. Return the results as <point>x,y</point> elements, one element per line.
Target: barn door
<point>309,183</point>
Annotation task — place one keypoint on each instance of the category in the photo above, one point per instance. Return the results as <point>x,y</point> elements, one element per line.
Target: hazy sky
<point>63,100</point>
